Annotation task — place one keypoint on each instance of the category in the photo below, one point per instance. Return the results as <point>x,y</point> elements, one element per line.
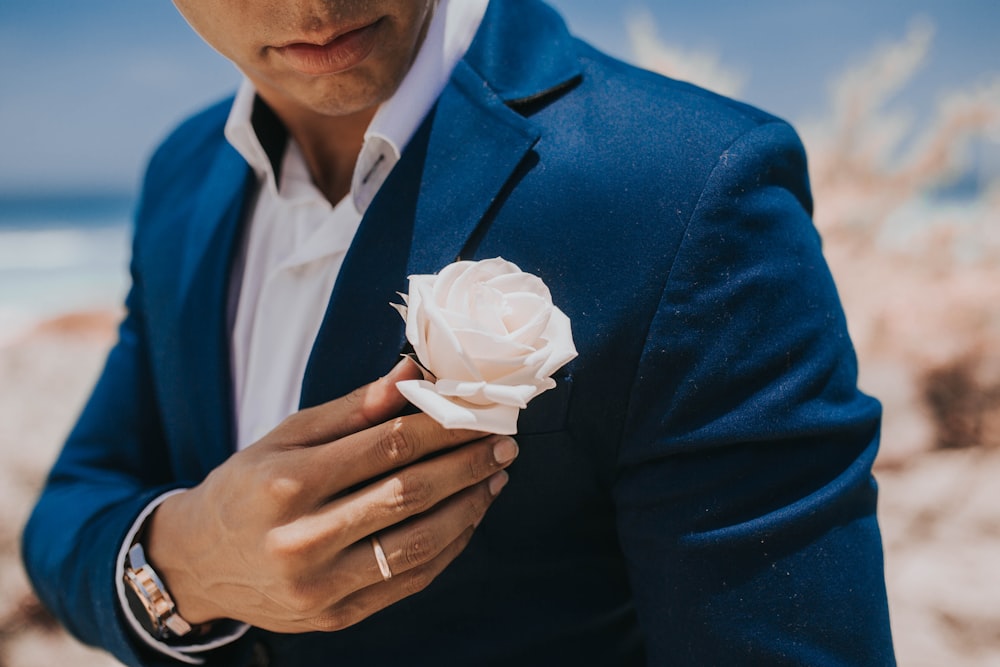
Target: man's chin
<point>330,96</point>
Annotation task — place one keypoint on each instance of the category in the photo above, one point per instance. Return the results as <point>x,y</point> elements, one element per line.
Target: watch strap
<point>144,587</point>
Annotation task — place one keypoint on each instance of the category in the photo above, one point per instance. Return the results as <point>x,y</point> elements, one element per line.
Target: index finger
<point>380,449</point>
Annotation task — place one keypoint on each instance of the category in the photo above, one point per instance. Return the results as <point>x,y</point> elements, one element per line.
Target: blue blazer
<point>697,490</point>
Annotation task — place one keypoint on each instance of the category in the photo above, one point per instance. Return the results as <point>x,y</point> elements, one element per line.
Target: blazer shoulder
<point>182,160</point>
<point>203,128</point>
<point>189,147</point>
<point>652,102</point>
<point>661,138</point>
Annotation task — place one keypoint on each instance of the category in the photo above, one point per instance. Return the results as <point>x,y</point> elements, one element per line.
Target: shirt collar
<point>449,35</point>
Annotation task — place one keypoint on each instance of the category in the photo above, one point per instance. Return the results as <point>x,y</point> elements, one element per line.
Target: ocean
<point>61,253</point>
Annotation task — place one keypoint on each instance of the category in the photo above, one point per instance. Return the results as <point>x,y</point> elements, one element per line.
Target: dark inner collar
<point>271,133</point>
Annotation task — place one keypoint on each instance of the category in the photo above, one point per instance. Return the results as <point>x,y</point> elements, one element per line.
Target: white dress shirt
<point>295,244</point>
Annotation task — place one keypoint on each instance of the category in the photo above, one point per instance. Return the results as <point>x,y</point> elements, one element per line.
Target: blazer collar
<point>523,51</point>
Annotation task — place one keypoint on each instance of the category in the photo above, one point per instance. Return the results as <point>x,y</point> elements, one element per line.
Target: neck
<point>330,144</point>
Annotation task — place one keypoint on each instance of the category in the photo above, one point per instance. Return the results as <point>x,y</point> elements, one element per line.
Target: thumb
<point>372,404</point>
<point>381,400</point>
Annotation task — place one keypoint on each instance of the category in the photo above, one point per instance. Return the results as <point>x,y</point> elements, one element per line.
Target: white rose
<point>488,337</point>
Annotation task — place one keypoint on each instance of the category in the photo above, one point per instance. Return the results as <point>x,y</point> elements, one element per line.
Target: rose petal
<point>484,310</point>
<point>527,318</point>
<point>510,283</point>
<point>444,282</point>
<point>494,358</point>
<point>458,320</point>
<point>485,393</point>
<point>469,287</point>
<point>560,341</point>
<point>443,354</point>
<point>467,390</point>
<point>501,419</point>
<point>400,308</point>
<point>527,374</point>
<point>488,308</point>
<point>484,345</point>
<point>415,319</point>
<point>517,395</point>
<point>480,272</point>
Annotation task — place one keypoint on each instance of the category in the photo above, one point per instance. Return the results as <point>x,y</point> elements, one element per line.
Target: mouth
<point>339,53</point>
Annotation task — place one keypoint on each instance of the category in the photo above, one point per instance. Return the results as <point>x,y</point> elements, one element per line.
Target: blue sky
<point>88,88</point>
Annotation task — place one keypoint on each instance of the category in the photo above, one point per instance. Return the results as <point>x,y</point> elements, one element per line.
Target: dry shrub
<point>28,613</point>
<point>964,397</point>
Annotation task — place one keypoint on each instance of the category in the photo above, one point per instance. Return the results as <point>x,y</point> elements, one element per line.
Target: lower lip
<point>339,55</point>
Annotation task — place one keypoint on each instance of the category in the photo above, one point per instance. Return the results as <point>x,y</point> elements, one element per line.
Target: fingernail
<point>397,369</point>
<point>505,450</point>
<point>498,481</point>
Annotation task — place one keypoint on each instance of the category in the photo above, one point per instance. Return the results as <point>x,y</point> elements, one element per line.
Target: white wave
<point>48,249</point>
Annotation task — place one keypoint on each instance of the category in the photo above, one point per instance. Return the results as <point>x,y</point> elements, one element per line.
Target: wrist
<point>168,542</point>
<point>150,600</point>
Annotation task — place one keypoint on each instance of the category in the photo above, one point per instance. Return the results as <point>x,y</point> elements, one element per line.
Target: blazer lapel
<point>449,174</point>
<point>477,144</point>
<point>202,321</point>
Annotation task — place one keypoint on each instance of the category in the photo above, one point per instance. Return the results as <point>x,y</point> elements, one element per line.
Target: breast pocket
<point>547,412</point>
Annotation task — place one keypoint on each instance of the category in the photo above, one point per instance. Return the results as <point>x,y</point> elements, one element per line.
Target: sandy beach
<point>939,511</point>
<point>45,376</point>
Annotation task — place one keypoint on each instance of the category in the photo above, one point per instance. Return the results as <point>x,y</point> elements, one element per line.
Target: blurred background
<point>898,103</point>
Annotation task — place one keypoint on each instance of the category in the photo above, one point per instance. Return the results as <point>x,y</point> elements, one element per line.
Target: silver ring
<point>383,562</point>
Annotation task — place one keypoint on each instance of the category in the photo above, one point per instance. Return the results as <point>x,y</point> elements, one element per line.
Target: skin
<point>278,536</point>
<point>326,112</point>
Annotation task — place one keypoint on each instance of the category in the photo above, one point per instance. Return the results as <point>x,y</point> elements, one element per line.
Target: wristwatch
<point>149,600</point>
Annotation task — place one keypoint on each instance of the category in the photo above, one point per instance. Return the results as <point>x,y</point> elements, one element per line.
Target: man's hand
<point>279,535</point>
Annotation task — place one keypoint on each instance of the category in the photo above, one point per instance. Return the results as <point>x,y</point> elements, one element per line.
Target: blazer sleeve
<point>744,494</point>
<point>113,464</point>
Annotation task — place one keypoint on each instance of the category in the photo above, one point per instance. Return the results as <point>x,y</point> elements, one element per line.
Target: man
<point>696,490</point>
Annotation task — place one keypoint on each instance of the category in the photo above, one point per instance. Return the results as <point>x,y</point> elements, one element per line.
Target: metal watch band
<point>148,588</point>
